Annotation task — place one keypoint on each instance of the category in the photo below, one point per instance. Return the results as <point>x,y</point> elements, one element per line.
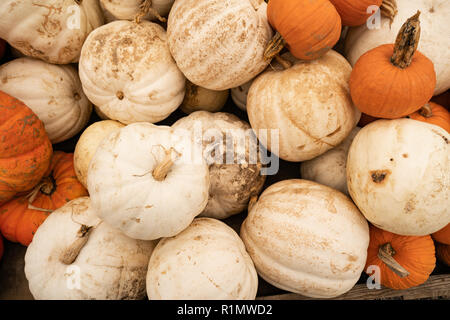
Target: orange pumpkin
<point>308,28</point>
<point>434,114</point>
<point>393,81</point>
<point>404,261</point>
<point>1,247</point>
<point>443,253</point>
<point>20,217</point>
<point>443,235</point>
<point>354,12</point>
<point>25,149</point>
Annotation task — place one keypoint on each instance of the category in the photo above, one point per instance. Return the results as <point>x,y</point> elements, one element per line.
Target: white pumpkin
<point>239,95</point>
<point>232,184</point>
<point>76,256</point>
<point>434,36</point>
<point>330,168</point>
<point>306,238</point>
<point>127,71</point>
<point>309,103</point>
<point>219,44</point>
<point>207,261</point>
<point>87,145</point>
<point>53,92</point>
<point>198,98</point>
<point>51,30</point>
<point>129,9</point>
<point>148,181</point>
<point>398,174</point>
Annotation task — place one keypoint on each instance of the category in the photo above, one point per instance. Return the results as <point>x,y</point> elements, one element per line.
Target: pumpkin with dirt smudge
<point>25,149</point>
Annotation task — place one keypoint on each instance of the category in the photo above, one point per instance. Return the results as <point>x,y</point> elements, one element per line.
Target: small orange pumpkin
<point>25,149</point>
<point>443,235</point>
<point>20,217</point>
<point>404,261</point>
<point>354,12</point>
<point>308,28</point>
<point>393,81</point>
<point>1,247</point>
<point>443,253</point>
<point>434,114</point>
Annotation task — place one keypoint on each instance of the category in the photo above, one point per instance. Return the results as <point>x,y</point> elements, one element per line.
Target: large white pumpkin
<point>219,44</point>
<point>129,9</point>
<point>88,143</point>
<point>53,92</point>
<point>51,30</point>
<point>207,261</point>
<point>127,71</point>
<point>232,184</point>
<point>330,168</point>
<point>110,265</point>
<point>148,181</point>
<point>309,103</point>
<point>307,238</point>
<point>434,37</point>
<point>398,174</point>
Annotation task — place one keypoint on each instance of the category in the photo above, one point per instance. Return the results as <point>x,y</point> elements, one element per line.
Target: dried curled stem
<point>389,9</point>
<point>276,44</point>
<point>70,254</point>
<point>163,168</point>
<point>46,186</point>
<point>146,8</point>
<point>407,41</point>
<point>426,111</point>
<point>386,254</point>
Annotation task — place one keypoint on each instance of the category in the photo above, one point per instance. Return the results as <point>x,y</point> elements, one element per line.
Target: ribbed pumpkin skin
<point>443,235</point>
<point>25,150</point>
<point>439,116</point>
<point>354,12</point>
<point>219,44</point>
<point>442,253</point>
<point>309,27</point>
<point>380,89</point>
<point>18,223</point>
<point>415,254</point>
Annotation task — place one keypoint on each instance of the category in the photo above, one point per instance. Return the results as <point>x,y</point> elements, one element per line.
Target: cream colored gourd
<point>51,30</point>
<point>129,9</point>
<point>306,238</point>
<point>330,168</point>
<point>434,36</point>
<point>87,145</point>
<point>239,95</point>
<point>127,71</point>
<point>219,44</point>
<point>53,92</point>
<point>76,256</point>
<point>198,98</point>
<point>207,261</point>
<point>398,174</point>
<point>234,183</point>
<point>309,103</point>
<point>148,181</point>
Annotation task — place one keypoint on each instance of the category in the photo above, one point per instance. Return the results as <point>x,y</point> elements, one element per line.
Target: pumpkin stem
<point>426,111</point>
<point>406,42</point>
<point>284,63</point>
<point>145,9</point>
<point>386,253</point>
<point>389,9</point>
<point>161,170</point>
<point>71,253</point>
<point>47,186</point>
<point>276,44</point>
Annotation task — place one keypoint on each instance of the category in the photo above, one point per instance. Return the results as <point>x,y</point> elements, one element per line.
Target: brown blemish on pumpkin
<point>405,155</point>
<point>379,176</point>
<point>334,132</point>
<point>198,238</point>
<point>410,205</point>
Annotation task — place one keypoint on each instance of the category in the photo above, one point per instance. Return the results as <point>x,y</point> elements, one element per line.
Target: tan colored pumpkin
<point>87,145</point>
<point>309,103</point>
<point>130,9</point>
<point>202,99</point>
<point>306,238</point>
<point>398,174</point>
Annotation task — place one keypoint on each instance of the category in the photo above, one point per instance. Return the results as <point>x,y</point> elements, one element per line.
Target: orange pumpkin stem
<point>406,42</point>
<point>161,170</point>
<point>47,186</point>
<point>426,111</point>
<point>389,9</point>
<point>146,8</point>
<point>276,44</point>
<point>385,254</point>
<point>69,255</point>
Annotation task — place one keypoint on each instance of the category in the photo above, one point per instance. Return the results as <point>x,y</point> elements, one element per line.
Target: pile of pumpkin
<point>134,213</point>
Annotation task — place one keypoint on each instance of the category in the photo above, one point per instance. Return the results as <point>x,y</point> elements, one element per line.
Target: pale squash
<point>129,9</point>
